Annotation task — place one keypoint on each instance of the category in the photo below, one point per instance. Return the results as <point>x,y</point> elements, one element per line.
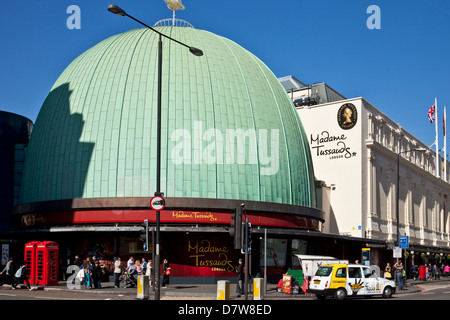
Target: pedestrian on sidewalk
<point>130,262</point>
<point>139,269</point>
<point>430,272</point>
<point>77,261</point>
<point>8,273</point>
<point>447,270</point>
<point>117,272</point>
<point>166,273</point>
<point>436,272</point>
<point>144,266</point>
<point>150,272</point>
<point>398,269</point>
<point>414,272</point>
<point>388,271</point>
<point>21,276</point>
<point>87,275</point>
<point>97,275</point>
<point>240,278</point>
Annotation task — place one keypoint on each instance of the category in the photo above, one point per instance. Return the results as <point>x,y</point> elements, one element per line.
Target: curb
<point>203,291</point>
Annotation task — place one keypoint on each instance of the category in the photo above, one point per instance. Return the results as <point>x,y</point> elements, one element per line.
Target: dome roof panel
<point>229,130</point>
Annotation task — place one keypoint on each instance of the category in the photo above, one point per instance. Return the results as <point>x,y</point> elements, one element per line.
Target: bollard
<point>142,287</point>
<point>258,289</point>
<point>223,290</point>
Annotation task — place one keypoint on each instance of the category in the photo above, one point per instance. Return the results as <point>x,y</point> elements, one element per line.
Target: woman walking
<point>87,275</point>
<point>166,273</point>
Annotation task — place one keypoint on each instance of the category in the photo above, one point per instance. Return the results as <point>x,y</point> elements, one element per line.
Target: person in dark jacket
<point>240,278</point>
<point>166,273</point>
<point>97,275</point>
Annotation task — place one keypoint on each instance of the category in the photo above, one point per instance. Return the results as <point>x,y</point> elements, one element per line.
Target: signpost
<point>404,242</point>
<point>157,203</point>
<point>397,252</point>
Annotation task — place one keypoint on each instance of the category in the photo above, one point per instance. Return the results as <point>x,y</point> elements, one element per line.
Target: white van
<point>309,264</point>
<point>345,280</point>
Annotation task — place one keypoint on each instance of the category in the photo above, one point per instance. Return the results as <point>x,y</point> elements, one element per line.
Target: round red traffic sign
<point>157,203</point>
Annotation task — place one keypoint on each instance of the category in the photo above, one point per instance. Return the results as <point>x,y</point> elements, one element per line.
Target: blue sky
<point>399,68</point>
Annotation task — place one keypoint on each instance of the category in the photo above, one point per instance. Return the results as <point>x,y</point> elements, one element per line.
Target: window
<point>341,273</point>
<point>354,272</point>
<point>367,272</point>
<point>324,271</point>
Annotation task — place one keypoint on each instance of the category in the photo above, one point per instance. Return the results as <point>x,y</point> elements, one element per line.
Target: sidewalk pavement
<point>207,291</point>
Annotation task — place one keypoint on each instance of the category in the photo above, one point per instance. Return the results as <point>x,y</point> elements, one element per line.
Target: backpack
<point>19,272</point>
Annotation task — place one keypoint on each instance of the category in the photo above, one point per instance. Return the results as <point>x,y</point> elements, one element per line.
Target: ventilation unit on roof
<point>305,101</point>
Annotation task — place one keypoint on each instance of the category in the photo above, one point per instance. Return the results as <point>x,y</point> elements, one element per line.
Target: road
<point>428,291</point>
<point>24,294</point>
<point>76,295</point>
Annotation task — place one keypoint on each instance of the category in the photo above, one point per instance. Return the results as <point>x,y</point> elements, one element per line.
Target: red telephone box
<point>47,263</point>
<point>30,260</point>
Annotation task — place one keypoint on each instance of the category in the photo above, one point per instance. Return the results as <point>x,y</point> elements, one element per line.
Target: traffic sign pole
<point>404,244</point>
<point>157,203</point>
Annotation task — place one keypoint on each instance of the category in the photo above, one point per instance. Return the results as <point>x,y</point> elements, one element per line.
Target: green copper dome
<point>229,130</point>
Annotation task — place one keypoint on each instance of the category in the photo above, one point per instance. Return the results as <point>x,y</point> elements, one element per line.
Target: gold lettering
<point>196,259</point>
<point>222,263</point>
<point>192,248</point>
<point>194,215</point>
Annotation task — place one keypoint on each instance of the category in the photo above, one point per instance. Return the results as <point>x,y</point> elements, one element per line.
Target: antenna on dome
<point>174,5</point>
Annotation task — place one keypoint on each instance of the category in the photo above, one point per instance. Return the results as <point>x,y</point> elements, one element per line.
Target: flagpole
<point>445,144</point>
<point>437,144</point>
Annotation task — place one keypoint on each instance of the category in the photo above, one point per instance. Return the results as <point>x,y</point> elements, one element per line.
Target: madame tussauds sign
<point>209,255</point>
<point>332,146</point>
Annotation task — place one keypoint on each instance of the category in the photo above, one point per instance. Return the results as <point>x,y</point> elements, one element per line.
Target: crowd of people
<point>399,275</point>
<point>432,272</point>
<point>93,272</point>
<point>139,267</point>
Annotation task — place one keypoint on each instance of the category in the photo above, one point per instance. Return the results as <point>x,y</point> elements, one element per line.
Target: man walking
<point>398,269</point>
<point>21,276</point>
<point>240,278</point>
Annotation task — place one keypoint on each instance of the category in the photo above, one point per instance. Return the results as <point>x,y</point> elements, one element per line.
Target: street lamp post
<point>197,52</point>
<point>398,189</point>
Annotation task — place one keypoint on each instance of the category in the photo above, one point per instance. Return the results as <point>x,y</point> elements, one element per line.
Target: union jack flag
<point>431,113</point>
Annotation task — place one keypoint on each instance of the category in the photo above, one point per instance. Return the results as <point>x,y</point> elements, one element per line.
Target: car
<point>348,280</point>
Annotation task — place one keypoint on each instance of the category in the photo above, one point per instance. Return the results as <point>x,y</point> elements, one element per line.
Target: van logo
<point>356,286</point>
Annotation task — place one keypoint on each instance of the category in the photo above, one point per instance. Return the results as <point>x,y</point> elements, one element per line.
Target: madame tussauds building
<point>229,135</point>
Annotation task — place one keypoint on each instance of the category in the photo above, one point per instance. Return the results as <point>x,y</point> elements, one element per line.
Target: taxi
<point>347,280</point>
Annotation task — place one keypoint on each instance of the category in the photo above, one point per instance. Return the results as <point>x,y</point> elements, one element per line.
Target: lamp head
<point>195,51</point>
<point>116,10</point>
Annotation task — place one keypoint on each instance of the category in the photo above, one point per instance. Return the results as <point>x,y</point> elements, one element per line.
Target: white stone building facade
<point>355,147</point>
